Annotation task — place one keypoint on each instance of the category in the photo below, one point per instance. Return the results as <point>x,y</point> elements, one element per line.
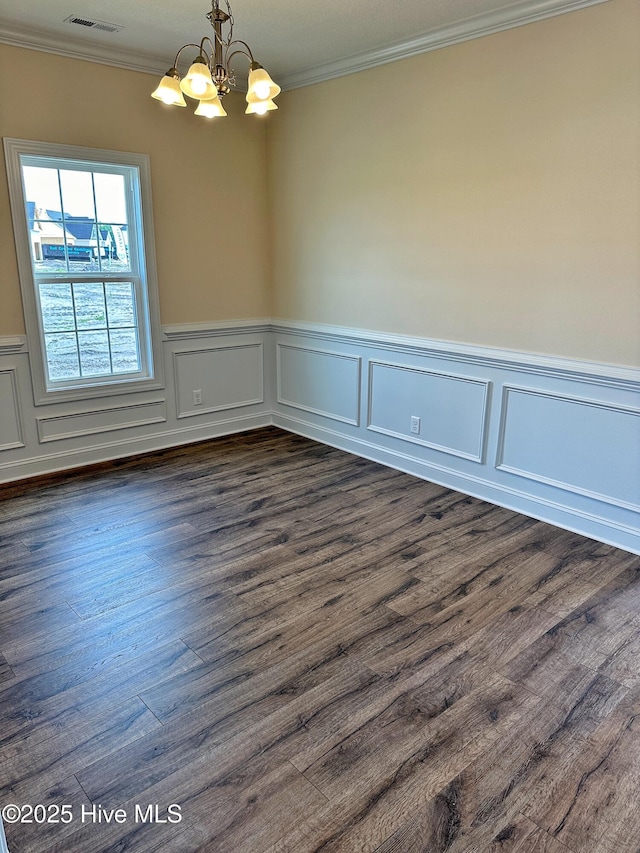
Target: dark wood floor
<point>307,651</point>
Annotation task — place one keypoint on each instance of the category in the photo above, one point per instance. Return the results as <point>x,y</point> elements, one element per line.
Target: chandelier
<point>211,77</point>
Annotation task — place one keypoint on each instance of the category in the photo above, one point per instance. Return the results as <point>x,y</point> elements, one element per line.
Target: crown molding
<point>103,54</point>
<point>516,15</point>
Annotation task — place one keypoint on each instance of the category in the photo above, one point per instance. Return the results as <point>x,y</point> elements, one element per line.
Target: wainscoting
<point>224,362</point>
<point>556,439</point>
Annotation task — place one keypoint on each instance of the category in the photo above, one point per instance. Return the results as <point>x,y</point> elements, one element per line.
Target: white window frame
<point>143,270</point>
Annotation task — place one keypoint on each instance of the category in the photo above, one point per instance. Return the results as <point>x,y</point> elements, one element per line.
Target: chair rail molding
<point>189,331</point>
<point>12,344</point>
<point>527,362</point>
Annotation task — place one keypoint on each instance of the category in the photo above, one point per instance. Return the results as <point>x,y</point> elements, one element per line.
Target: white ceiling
<point>298,41</point>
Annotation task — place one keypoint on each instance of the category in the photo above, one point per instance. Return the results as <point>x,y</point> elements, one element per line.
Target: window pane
<point>121,304</point>
<point>114,247</point>
<point>41,187</point>
<point>80,220</point>
<point>62,356</point>
<point>77,194</point>
<point>94,353</point>
<point>46,234</point>
<point>56,304</point>
<point>90,308</point>
<point>112,218</point>
<point>110,198</point>
<point>125,351</point>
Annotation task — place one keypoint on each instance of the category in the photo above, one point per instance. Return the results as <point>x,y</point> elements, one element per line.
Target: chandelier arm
<point>184,47</point>
<point>246,52</point>
<point>230,56</point>
<point>211,44</point>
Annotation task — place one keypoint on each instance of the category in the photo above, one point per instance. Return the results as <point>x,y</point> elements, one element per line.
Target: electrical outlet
<point>197,397</point>
<point>415,425</point>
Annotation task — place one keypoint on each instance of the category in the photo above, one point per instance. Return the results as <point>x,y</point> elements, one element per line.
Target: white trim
<point>192,413</point>
<point>550,481</point>
<point>516,15</point>
<point>347,357</point>
<point>13,344</point>
<point>41,421</point>
<point>3,840</point>
<point>452,451</point>
<point>611,375</point>
<point>599,373</point>
<point>561,367</point>
<point>611,521</point>
<point>12,371</point>
<point>188,331</point>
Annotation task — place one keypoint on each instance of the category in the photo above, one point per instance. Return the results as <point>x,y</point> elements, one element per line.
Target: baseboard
<point>108,451</point>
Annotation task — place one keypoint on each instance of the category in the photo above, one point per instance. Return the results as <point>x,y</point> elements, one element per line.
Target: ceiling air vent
<point>94,25</point>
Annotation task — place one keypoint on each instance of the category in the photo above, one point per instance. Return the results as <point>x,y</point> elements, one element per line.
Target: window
<point>82,223</point>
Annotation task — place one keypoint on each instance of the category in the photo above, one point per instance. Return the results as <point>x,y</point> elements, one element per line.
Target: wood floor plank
<point>523,836</point>
<point>23,622</point>
<point>593,808</point>
<point>39,837</point>
<point>6,672</point>
<point>245,784</point>
<point>577,576</point>
<point>168,614</point>
<point>230,710</point>
<point>481,808</point>
<point>26,767</point>
<point>94,686</point>
<point>365,817</point>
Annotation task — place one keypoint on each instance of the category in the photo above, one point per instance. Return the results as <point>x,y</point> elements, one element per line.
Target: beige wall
<point>487,193</point>
<point>208,180</point>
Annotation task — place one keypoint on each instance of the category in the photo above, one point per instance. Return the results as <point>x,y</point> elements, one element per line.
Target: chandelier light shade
<point>210,76</point>
<point>261,86</point>
<point>169,91</point>
<point>198,83</point>
<point>211,109</point>
<point>259,108</point>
